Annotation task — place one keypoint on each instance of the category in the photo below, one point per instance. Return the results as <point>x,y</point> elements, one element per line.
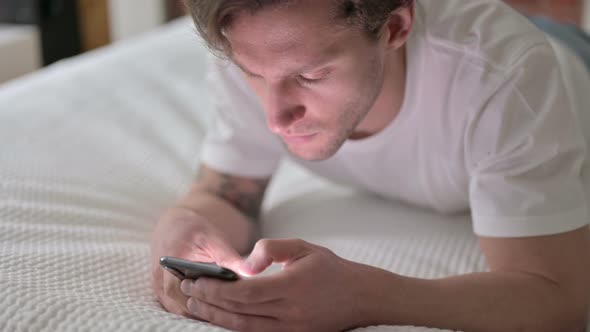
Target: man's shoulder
<point>487,32</point>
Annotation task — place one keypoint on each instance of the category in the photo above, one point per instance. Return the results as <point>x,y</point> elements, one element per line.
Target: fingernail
<point>185,287</point>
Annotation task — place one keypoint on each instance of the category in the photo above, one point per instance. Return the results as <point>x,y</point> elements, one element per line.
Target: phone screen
<point>185,269</point>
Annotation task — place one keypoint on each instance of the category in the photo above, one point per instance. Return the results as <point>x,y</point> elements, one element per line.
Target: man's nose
<point>283,110</point>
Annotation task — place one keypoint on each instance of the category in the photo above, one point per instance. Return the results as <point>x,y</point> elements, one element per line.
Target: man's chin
<point>307,157</point>
<point>310,153</point>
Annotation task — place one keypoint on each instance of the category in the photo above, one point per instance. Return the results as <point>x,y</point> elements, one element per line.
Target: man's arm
<point>231,203</point>
<point>535,284</point>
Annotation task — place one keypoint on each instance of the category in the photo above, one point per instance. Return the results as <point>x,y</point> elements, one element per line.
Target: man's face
<point>316,80</point>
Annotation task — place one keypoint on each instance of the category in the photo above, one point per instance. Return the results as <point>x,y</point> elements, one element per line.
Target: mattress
<point>95,148</point>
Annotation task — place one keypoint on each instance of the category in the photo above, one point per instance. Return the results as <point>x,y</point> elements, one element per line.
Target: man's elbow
<point>574,324</point>
<point>567,318</point>
<point>576,309</point>
<point>568,306</point>
<point>580,319</point>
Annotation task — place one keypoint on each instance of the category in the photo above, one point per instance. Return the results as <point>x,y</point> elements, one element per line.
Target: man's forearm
<point>240,231</point>
<point>489,301</point>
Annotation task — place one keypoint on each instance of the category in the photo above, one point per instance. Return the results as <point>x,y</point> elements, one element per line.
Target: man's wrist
<point>376,299</point>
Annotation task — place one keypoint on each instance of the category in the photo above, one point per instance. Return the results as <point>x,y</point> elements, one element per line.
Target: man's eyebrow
<point>305,69</point>
<point>242,68</point>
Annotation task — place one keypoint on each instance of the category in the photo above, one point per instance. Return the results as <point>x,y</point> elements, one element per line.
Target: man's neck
<point>390,100</point>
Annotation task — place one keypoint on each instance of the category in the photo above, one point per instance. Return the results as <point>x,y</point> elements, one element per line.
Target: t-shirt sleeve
<point>237,141</point>
<point>526,152</point>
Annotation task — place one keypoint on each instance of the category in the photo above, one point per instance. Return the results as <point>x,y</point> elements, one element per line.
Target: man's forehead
<point>284,29</point>
<point>293,56</point>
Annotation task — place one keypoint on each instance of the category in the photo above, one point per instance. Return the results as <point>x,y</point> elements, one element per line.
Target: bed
<point>95,148</point>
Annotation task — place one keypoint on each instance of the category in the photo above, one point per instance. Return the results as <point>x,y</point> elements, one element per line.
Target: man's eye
<point>308,81</point>
<point>251,76</point>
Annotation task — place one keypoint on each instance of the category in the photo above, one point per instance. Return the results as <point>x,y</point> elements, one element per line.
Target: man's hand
<point>210,224</point>
<point>183,233</point>
<point>315,291</point>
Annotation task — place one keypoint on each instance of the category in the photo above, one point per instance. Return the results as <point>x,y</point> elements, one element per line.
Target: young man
<point>446,104</point>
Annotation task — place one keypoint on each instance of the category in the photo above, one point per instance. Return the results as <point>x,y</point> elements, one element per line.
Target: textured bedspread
<point>95,148</point>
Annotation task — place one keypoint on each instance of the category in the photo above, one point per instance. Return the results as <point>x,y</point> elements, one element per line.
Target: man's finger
<point>272,308</point>
<point>224,254</point>
<point>173,297</point>
<point>230,320</point>
<point>268,251</point>
<point>174,308</point>
<point>247,291</point>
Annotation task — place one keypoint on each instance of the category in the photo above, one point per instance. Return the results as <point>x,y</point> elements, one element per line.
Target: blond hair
<point>212,17</point>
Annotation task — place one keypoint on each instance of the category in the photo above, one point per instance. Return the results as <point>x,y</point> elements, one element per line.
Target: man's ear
<point>397,28</point>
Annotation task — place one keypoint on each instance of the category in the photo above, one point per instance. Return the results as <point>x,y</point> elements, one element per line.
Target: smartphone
<point>184,269</point>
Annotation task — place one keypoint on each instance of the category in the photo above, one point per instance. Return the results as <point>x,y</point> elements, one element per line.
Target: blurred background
<point>36,33</point>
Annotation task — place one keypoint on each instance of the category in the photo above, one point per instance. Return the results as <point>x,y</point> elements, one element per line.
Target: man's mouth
<point>298,139</point>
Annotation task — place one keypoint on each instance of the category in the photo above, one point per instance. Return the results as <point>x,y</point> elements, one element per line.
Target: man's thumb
<point>226,256</point>
<point>268,251</point>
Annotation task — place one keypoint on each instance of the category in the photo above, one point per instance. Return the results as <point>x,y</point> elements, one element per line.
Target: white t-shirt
<point>493,120</point>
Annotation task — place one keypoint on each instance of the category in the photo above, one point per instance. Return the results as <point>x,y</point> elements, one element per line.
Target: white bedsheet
<point>95,148</point>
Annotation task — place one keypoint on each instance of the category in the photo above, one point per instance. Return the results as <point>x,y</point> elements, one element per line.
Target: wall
<point>132,17</point>
<point>19,50</point>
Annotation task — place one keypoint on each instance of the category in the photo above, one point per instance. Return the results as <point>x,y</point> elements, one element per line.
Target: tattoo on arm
<point>248,201</point>
<point>243,193</point>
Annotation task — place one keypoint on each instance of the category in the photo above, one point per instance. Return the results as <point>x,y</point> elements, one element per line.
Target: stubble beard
<point>354,113</point>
